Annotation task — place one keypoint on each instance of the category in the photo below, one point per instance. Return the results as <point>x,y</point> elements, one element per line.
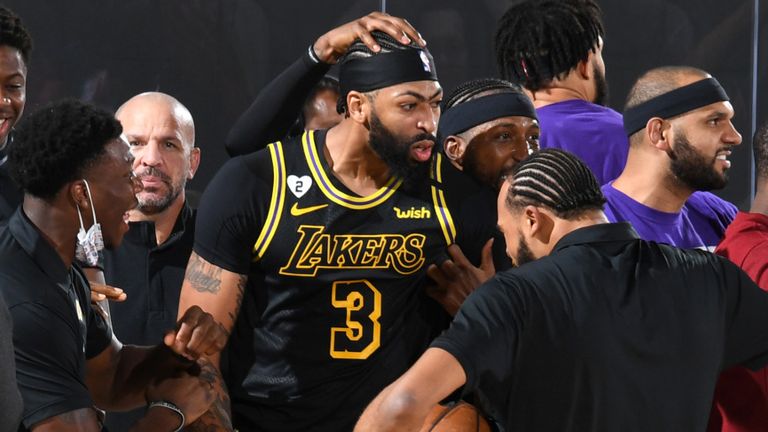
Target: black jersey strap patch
<point>438,200</point>
<point>276,201</point>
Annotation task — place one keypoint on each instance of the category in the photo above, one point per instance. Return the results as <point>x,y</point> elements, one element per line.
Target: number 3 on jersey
<point>362,334</point>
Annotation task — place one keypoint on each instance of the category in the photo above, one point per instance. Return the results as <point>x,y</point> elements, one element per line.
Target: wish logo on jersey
<point>319,250</point>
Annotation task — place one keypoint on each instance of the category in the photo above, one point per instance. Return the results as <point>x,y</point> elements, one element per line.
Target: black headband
<point>675,102</point>
<point>467,115</point>
<point>386,69</point>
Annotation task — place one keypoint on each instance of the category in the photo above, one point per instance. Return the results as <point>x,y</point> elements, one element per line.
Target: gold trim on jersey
<point>314,160</point>
<point>276,201</point>
<point>438,199</point>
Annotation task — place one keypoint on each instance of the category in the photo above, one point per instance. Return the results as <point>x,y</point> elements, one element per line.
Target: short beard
<point>157,205</point>
<point>524,254</point>
<point>601,87</point>
<point>395,152</point>
<point>692,169</point>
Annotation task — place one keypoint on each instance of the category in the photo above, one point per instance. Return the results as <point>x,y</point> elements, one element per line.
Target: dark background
<point>215,55</point>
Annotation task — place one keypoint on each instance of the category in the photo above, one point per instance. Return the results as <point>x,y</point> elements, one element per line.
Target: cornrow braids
<point>538,41</point>
<point>555,179</point>
<point>14,34</point>
<point>359,50</point>
<point>473,89</point>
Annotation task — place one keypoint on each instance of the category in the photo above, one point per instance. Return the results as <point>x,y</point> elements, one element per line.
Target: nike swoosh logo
<point>296,211</point>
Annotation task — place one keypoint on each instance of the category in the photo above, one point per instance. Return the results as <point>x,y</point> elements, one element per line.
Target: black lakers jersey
<point>334,309</point>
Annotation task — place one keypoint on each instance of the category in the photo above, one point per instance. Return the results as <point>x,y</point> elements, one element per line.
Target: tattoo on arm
<point>218,417</point>
<point>203,276</point>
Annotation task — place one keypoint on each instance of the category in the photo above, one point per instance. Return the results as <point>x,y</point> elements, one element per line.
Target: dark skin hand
<point>457,278</point>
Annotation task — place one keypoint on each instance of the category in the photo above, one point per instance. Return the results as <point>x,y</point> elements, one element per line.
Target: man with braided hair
<point>553,48</point>
<point>595,330</point>
<point>318,267</point>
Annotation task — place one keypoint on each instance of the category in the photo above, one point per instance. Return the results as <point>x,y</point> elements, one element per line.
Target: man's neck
<point>647,182</point>
<point>560,90</point>
<point>164,221</point>
<point>760,203</point>
<point>352,160</point>
<point>56,226</point>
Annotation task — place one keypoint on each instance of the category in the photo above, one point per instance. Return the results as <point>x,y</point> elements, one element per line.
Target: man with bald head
<point>150,263</point>
<point>678,120</point>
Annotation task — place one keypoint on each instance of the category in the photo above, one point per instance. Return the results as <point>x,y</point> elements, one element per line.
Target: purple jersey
<point>700,224</point>
<point>592,132</point>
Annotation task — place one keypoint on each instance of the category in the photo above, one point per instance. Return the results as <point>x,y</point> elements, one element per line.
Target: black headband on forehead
<point>386,69</point>
<point>467,115</point>
<point>676,102</point>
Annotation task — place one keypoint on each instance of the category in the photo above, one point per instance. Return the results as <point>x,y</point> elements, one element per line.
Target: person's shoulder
<point>712,206</point>
<point>18,274</point>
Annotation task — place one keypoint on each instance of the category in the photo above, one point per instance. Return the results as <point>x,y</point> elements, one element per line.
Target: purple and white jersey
<point>700,224</point>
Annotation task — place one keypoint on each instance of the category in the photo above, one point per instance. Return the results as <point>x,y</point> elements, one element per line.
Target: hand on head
<point>332,45</point>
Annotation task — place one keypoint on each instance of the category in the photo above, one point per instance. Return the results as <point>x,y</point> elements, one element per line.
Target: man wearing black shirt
<point>149,264</point>
<point>76,172</point>
<point>598,330</point>
<point>15,49</point>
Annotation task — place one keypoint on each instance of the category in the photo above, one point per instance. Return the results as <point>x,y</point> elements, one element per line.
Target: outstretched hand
<point>196,333</point>
<point>332,45</point>
<point>457,278</point>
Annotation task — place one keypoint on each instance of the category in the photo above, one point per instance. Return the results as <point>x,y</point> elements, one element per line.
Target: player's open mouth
<point>422,150</point>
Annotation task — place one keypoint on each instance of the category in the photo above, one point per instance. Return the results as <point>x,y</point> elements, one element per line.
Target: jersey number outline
<point>362,303</point>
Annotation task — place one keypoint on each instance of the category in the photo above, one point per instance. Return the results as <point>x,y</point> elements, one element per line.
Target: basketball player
<point>318,266</point>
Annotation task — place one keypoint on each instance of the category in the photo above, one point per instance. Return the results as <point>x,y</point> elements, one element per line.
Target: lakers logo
<point>319,250</point>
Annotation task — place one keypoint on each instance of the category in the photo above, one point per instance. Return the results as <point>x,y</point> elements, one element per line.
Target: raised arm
<point>404,404</point>
<point>277,106</point>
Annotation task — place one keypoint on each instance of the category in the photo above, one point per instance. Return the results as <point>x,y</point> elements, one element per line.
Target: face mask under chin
<point>90,242</point>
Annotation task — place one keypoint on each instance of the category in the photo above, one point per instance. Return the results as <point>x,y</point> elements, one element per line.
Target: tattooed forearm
<point>218,417</point>
<point>203,276</point>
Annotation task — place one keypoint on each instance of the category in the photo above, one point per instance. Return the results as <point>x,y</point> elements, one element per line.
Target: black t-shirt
<point>54,328</point>
<point>609,333</point>
<point>334,308</point>
<point>10,398</point>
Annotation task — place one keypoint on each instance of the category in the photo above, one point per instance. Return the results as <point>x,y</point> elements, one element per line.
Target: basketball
<point>455,417</point>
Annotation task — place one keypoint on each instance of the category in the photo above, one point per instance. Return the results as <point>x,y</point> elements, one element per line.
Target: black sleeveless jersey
<point>334,309</point>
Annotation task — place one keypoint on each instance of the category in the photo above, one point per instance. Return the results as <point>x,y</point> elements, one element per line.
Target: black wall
<point>214,56</point>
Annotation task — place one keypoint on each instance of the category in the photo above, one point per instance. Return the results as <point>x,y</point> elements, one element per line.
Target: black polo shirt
<point>10,398</point>
<point>10,194</point>
<point>151,276</point>
<point>54,328</point>
<point>609,333</point>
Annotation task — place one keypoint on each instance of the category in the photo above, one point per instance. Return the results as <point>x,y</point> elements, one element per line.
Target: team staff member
<point>149,264</point>
<point>595,330</point>
<point>326,250</point>
<point>78,185</point>
<point>15,49</point>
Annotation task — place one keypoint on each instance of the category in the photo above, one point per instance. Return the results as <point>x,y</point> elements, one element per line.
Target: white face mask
<point>90,242</point>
